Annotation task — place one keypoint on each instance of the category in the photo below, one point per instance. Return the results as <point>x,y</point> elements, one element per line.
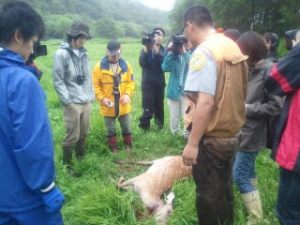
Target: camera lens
<point>80,79</point>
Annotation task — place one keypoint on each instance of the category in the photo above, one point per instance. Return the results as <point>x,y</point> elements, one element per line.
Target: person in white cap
<point>114,84</point>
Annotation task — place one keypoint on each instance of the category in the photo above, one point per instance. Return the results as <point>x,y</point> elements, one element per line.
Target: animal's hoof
<point>120,182</point>
<point>170,197</point>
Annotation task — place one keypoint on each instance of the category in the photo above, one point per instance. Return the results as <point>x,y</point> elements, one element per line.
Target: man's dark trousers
<point>153,105</point>
<point>288,206</point>
<point>213,178</point>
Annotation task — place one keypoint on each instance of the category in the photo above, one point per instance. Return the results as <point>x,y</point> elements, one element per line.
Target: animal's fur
<point>153,183</point>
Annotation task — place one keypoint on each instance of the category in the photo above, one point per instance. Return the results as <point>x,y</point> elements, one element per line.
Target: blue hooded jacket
<point>26,148</point>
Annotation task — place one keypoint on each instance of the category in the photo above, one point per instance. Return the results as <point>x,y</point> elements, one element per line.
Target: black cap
<point>159,29</point>
<point>291,34</point>
<point>113,47</point>
<point>79,28</point>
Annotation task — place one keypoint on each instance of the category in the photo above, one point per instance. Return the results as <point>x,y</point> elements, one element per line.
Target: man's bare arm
<point>201,118</point>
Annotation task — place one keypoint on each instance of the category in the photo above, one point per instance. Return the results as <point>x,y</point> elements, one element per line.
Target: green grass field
<point>93,199</point>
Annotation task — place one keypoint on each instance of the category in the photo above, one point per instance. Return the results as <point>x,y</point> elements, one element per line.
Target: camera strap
<point>181,70</point>
<point>78,70</point>
<point>116,90</point>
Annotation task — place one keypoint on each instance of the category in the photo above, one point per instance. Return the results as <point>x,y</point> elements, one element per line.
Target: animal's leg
<point>123,184</point>
<point>151,202</point>
<point>142,163</point>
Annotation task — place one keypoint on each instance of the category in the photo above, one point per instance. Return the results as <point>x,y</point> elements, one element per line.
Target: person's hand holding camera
<point>149,47</point>
<point>125,99</point>
<point>170,46</point>
<point>107,102</point>
<point>146,48</point>
<point>182,49</point>
<point>156,48</point>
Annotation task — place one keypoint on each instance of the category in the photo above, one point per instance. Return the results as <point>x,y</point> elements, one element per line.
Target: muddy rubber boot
<point>127,139</point>
<point>80,149</point>
<point>112,144</point>
<point>253,204</point>
<point>67,156</point>
<point>254,182</point>
<point>67,161</point>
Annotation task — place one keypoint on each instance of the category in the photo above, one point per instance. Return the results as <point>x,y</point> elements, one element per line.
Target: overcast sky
<point>159,4</point>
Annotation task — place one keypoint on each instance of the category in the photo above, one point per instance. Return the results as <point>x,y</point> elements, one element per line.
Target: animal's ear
<point>170,197</point>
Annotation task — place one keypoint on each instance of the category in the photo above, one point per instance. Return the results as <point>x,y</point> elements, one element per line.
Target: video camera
<point>148,38</point>
<point>289,37</point>
<point>179,40</point>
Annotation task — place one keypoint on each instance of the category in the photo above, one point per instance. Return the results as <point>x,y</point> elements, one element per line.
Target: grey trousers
<point>110,123</point>
<point>77,119</point>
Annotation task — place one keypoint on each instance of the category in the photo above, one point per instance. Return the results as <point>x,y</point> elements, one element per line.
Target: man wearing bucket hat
<point>114,84</point>
<point>73,84</point>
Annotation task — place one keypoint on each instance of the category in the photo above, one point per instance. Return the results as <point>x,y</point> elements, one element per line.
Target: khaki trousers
<point>76,119</point>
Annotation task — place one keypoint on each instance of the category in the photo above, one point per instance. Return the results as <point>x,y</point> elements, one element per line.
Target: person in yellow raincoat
<point>113,81</point>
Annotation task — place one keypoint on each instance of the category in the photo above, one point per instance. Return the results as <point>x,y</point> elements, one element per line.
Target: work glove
<point>53,200</point>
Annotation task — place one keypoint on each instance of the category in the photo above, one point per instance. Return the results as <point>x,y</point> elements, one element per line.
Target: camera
<point>80,79</point>
<point>148,38</point>
<point>39,50</point>
<point>178,40</point>
<point>290,36</point>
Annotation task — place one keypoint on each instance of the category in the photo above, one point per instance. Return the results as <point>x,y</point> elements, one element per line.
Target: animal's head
<point>162,214</point>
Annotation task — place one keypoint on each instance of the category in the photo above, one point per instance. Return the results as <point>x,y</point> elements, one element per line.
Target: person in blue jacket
<point>176,62</point>
<point>28,194</point>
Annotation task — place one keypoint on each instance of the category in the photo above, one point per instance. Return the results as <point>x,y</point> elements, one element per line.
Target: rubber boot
<point>159,124</point>
<point>67,161</point>
<point>127,138</point>
<point>80,149</point>
<point>112,143</point>
<point>67,156</point>
<point>254,182</point>
<point>253,204</point>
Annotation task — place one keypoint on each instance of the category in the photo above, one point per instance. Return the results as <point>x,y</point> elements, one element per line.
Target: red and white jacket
<point>284,79</point>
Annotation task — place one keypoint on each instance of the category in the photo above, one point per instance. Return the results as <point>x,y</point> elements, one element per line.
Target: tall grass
<point>92,199</point>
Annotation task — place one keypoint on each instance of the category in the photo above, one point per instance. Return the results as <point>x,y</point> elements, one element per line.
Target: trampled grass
<point>93,199</point>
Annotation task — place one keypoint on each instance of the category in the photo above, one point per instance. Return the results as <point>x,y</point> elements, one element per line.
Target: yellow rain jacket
<point>106,84</point>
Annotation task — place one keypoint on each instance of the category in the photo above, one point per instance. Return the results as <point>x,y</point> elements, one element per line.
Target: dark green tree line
<point>260,15</point>
<point>106,18</point>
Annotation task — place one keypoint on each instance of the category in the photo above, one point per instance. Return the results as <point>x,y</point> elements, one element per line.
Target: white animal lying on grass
<point>157,180</point>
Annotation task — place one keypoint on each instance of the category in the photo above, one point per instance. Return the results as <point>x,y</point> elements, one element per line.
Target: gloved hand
<point>53,200</point>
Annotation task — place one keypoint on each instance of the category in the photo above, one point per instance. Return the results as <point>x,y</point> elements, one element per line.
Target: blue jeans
<point>37,216</point>
<point>244,170</point>
<point>288,200</point>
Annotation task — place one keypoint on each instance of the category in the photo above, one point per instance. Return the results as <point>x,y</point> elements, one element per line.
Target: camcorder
<point>289,37</point>
<point>148,38</point>
<point>178,40</point>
